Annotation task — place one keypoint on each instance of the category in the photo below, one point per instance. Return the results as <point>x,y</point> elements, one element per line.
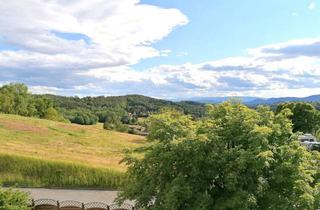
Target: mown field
<point>36,152</point>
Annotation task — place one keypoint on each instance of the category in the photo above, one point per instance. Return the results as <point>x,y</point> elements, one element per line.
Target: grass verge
<point>34,172</point>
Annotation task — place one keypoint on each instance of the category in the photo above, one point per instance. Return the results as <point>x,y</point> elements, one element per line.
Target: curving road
<point>77,195</point>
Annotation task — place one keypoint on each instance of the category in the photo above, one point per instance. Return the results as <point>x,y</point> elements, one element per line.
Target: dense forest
<point>129,106</point>
<point>116,112</point>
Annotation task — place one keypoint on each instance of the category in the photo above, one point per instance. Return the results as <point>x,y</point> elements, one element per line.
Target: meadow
<point>33,172</point>
<point>37,152</point>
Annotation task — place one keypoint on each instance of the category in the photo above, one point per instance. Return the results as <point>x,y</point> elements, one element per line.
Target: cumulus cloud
<point>80,47</point>
<point>312,6</point>
<point>269,71</point>
<point>80,35</point>
<point>291,49</point>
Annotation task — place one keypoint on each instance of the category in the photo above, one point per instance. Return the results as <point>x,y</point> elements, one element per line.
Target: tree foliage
<point>15,99</point>
<point>11,199</point>
<point>305,117</point>
<point>82,117</point>
<point>136,105</point>
<point>113,122</point>
<point>52,114</point>
<point>234,158</point>
<point>170,125</point>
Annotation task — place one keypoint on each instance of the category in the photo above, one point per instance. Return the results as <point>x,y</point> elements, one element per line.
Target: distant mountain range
<point>255,100</point>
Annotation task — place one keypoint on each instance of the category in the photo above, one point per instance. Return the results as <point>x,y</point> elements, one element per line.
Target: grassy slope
<point>49,140</point>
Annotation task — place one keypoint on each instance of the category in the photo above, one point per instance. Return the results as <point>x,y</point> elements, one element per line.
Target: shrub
<point>11,199</point>
<point>52,114</point>
<point>118,126</point>
<point>82,117</point>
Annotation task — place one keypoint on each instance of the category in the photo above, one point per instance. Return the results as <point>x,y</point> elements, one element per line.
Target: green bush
<point>82,117</point>
<point>11,199</point>
<point>116,127</point>
<point>52,114</point>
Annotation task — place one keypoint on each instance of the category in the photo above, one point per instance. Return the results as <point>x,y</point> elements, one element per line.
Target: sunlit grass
<point>59,145</point>
<point>68,142</point>
<point>35,172</point>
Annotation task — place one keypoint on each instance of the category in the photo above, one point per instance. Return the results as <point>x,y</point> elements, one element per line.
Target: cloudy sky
<point>162,48</point>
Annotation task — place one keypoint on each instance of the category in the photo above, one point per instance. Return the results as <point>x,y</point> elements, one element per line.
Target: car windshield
<point>316,147</point>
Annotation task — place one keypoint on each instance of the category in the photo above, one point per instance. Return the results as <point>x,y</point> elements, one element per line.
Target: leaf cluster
<point>234,158</point>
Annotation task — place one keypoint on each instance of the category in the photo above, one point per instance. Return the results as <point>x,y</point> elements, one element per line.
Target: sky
<point>172,49</point>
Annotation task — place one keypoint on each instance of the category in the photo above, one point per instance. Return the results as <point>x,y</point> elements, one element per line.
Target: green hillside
<point>58,146</point>
<point>64,141</point>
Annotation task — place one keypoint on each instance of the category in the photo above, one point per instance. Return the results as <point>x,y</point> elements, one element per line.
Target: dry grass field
<point>49,140</point>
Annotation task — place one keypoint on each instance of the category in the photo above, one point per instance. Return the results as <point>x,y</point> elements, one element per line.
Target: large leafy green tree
<point>305,117</point>
<point>235,158</point>
<point>15,99</point>
<point>170,125</point>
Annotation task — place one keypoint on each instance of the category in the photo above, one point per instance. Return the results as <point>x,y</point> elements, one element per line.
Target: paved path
<point>77,195</point>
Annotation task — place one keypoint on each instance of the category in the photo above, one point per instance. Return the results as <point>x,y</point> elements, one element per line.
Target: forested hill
<point>116,112</point>
<point>136,105</point>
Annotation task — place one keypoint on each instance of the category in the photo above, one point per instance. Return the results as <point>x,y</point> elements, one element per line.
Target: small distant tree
<point>42,104</point>
<point>112,118</point>
<point>128,119</point>
<point>234,158</point>
<point>83,117</point>
<point>113,122</point>
<point>11,199</point>
<point>52,114</point>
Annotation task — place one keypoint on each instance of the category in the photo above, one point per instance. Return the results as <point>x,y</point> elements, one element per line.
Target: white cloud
<point>165,53</point>
<point>283,69</point>
<point>179,54</point>
<point>44,90</point>
<point>119,34</point>
<point>312,6</point>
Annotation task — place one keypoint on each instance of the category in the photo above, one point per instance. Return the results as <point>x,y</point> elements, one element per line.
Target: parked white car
<point>309,141</point>
<point>307,138</point>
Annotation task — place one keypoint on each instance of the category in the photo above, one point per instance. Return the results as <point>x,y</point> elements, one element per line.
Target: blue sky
<point>220,28</point>
<point>162,48</point>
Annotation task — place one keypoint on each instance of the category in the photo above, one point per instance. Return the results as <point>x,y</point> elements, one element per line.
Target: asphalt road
<point>77,195</point>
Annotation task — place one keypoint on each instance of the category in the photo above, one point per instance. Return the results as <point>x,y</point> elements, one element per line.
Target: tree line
<point>134,105</point>
<point>15,99</point>
<point>117,112</point>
